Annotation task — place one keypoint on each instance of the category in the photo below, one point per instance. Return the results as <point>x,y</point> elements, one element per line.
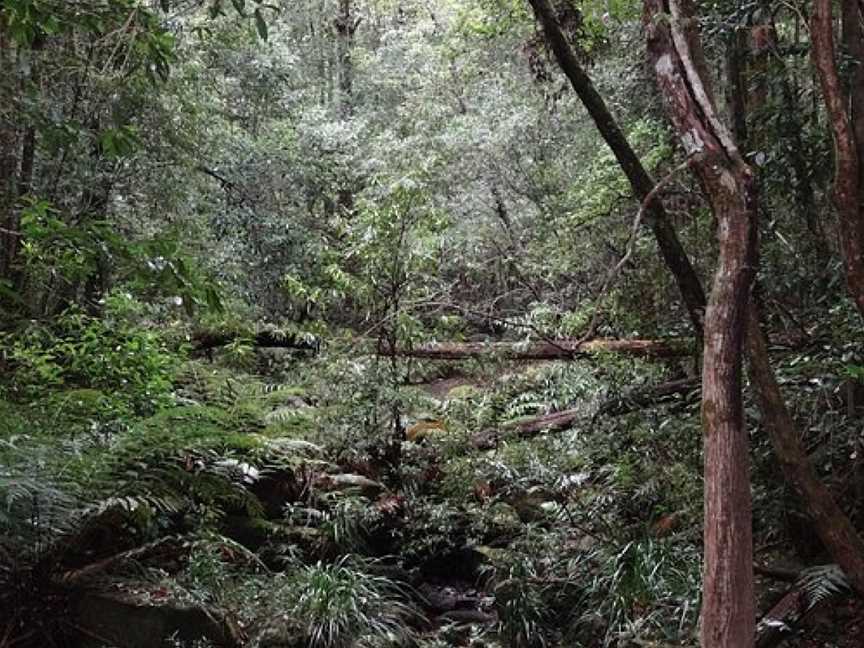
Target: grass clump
<point>339,605</point>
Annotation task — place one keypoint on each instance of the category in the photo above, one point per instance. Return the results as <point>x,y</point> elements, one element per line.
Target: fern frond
<point>822,582</point>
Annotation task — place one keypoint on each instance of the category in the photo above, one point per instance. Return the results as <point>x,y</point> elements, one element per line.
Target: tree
<point>846,117</point>
<point>673,253</point>
<point>674,49</point>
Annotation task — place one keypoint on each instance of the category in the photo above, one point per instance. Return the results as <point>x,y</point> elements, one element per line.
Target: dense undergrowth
<point>135,472</point>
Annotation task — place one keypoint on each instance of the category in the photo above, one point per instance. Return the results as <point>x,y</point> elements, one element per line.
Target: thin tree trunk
<point>8,155</point>
<point>853,44</point>
<point>673,253</point>
<point>728,608</point>
<point>736,87</point>
<point>345,25</point>
<point>847,183</point>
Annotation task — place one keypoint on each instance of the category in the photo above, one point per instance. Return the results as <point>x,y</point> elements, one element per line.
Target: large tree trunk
<point>675,52</point>
<point>673,253</point>
<point>847,176</point>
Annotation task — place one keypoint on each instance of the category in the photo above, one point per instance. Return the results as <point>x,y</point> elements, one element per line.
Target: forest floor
<point>238,509</point>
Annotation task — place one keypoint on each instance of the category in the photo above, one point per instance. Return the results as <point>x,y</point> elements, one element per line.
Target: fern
<point>821,583</point>
<point>526,404</point>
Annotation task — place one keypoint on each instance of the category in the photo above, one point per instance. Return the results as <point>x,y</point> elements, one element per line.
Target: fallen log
<point>559,421</point>
<point>555,422</point>
<point>526,428</point>
<point>552,350</point>
<point>206,341</point>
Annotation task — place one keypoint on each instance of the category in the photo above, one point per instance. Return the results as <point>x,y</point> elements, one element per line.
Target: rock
<point>295,402</point>
<point>119,620</point>
<point>485,439</point>
<point>275,489</point>
<point>349,483</point>
<point>250,532</point>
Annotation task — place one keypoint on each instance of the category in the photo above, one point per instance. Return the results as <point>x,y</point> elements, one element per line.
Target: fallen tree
<point>548,350</point>
<point>632,400</point>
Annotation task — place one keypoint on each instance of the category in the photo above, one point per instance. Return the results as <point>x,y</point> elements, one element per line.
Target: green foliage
<point>341,605</point>
<point>78,350</point>
<point>524,614</point>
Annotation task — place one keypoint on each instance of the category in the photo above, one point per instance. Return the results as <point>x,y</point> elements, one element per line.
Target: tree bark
<point>853,44</point>
<point>831,524</point>
<point>8,155</point>
<point>674,49</point>
<point>847,175</point>
<point>736,87</point>
<point>345,25</point>
<point>671,250</point>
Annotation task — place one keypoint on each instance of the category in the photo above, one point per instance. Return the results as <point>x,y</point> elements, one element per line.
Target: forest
<point>431,323</point>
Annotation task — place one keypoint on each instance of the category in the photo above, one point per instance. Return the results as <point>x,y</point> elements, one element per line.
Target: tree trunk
<point>673,253</point>
<point>736,87</point>
<point>829,521</point>
<point>728,609</point>
<point>345,25</point>
<point>8,156</point>
<point>847,182</point>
